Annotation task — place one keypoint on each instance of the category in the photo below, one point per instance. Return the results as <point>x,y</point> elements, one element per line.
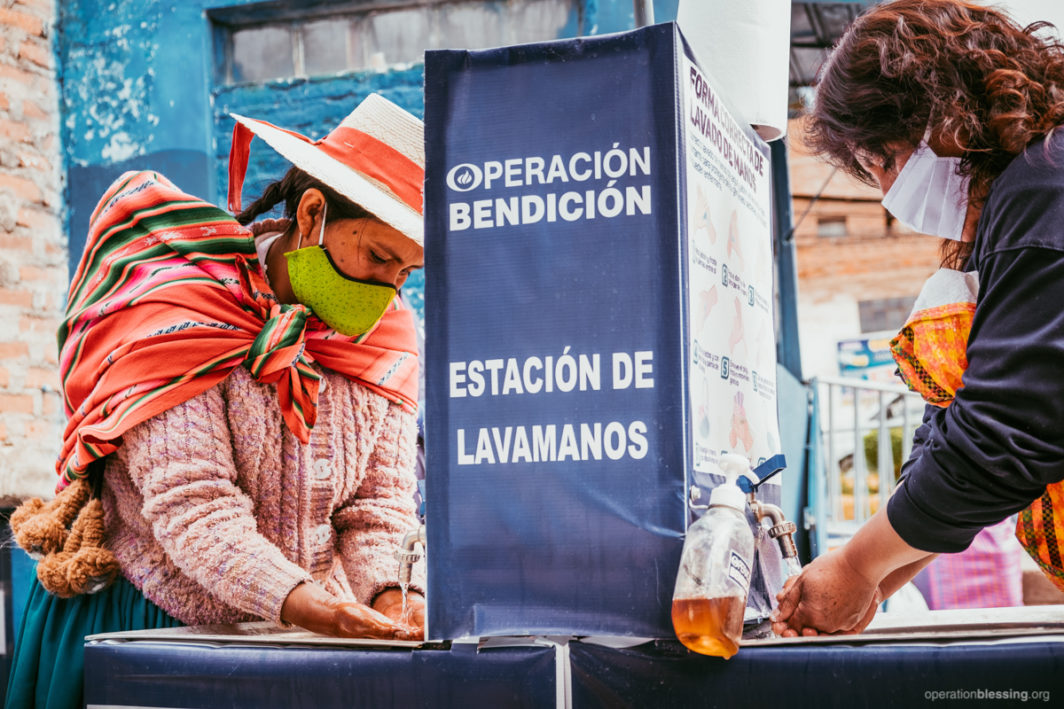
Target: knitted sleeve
<point>372,523</point>
<point>182,463</point>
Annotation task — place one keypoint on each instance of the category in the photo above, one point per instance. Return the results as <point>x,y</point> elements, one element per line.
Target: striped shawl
<point>169,297</point>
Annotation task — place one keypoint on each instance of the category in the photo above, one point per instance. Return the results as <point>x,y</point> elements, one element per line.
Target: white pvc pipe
<point>644,12</point>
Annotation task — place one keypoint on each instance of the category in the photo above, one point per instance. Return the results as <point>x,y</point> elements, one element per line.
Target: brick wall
<point>33,271</point>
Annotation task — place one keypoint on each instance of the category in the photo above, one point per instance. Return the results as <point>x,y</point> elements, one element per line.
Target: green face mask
<point>348,305</point>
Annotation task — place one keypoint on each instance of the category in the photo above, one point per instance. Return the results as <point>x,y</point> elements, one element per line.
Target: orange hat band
<point>349,146</point>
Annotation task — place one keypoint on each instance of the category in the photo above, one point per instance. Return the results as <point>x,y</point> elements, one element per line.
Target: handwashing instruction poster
<point>731,336</point>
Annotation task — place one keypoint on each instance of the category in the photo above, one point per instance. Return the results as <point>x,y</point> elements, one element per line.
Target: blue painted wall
<point>138,91</point>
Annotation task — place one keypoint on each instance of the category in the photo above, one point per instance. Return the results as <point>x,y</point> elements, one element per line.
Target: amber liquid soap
<point>709,626</point>
<point>713,581</point>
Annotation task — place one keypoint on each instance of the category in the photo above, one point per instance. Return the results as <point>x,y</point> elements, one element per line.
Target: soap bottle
<point>714,578</point>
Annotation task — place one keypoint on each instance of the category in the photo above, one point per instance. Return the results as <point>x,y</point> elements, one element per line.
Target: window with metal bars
<point>315,39</point>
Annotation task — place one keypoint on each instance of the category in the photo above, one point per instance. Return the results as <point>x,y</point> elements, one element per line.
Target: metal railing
<point>851,410</point>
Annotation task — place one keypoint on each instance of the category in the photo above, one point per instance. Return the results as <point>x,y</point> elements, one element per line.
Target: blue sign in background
<point>574,546</point>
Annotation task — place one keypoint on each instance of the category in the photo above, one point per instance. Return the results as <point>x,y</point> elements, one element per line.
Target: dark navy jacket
<point>993,450</point>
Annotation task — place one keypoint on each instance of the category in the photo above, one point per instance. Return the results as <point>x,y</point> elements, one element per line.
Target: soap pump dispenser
<point>709,600</point>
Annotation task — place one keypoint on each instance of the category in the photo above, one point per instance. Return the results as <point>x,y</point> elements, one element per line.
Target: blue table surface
<point>662,673</point>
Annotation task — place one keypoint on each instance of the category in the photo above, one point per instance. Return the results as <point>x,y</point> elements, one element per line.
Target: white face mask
<point>928,195</point>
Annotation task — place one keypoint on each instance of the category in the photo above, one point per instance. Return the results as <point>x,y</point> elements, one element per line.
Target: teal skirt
<point>48,667</point>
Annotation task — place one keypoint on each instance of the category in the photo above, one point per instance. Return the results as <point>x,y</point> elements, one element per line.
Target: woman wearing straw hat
<point>241,399</point>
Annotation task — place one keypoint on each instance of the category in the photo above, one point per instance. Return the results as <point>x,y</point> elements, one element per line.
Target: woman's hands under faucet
<point>840,591</point>
<point>829,596</point>
<point>312,607</point>
<point>390,603</point>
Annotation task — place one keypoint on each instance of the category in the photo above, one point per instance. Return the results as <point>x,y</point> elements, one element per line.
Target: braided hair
<point>290,188</point>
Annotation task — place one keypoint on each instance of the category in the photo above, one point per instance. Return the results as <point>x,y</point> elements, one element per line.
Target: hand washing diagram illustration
<point>732,344</point>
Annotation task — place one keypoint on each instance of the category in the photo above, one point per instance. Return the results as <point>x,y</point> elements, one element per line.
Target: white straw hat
<point>375,158</point>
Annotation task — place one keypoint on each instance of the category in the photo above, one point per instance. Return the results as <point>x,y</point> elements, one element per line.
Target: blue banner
<point>558,434</point>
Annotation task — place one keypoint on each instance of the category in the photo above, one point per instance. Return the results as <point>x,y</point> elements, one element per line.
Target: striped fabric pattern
<point>931,351</point>
<point>931,354</point>
<point>1040,529</point>
<point>987,574</point>
<point>169,297</point>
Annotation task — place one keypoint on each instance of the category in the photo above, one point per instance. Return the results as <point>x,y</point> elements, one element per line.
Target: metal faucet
<point>781,530</point>
<point>408,555</point>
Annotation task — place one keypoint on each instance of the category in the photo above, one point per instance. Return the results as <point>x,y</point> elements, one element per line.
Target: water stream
<point>404,587</point>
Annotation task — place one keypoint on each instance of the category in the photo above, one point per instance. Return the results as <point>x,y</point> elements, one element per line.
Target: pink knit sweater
<point>216,511</point>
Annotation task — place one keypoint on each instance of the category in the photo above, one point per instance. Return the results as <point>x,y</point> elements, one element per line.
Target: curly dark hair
<point>967,70</point>
<point>290,188</point>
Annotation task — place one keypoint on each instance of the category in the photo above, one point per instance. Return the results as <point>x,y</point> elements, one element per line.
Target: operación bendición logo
<point>586,185</point>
